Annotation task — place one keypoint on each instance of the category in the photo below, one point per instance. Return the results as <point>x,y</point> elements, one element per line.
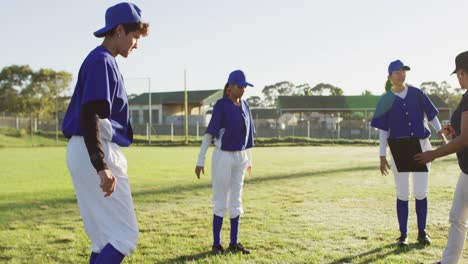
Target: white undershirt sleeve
<point>249,156</point>
<point>204,147</point>
<point>435,123</point>
<point>383,136</point>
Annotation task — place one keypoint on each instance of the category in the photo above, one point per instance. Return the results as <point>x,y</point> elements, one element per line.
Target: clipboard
<point>403,150</point>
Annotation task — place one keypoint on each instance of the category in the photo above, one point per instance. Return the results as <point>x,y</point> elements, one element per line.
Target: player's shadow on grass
<point>194,257</point>
<point>179,189</point>
<point>378,253</point>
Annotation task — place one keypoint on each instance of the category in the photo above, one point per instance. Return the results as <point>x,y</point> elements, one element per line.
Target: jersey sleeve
<point>380,118</point>
<point>215,124</point>
<point>98,85</point>
<point>428,107</point>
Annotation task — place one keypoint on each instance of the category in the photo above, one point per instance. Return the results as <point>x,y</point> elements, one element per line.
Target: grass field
<point>302,205</point>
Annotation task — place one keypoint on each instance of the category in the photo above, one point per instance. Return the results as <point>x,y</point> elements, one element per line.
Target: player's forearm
<point>435,123</point>
<point>203,149</point>
<point>89,125</point>
<point>383,136</point>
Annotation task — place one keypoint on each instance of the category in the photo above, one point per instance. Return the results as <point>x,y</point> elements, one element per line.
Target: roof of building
<point>329,103</point>
<point>173,97</point>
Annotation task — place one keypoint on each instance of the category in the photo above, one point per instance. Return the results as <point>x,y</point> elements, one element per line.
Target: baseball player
<point>401,112</point>
<point>97,124</point>
<point>232,127</point>
<point>458,130</point>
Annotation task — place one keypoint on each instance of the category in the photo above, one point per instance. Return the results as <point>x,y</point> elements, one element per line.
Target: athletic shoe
<point>437,262</point>
<point>402,241</point>
<point>217,250</point>
<point>238,248</point>
<point>424,239</point>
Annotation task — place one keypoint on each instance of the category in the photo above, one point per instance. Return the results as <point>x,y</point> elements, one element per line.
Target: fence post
<point>147,132</point>
<point>308,129</point>
<point>17,123</point>
<point>35,124</point>
<point>338,124</point>
<point>197,129</point>
<point>172,132</point>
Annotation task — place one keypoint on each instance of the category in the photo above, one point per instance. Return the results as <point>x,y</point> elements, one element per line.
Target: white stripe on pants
<point>106,219</point>
<point>420,179</point>
<point>458,222</point>
<point>227,177</point>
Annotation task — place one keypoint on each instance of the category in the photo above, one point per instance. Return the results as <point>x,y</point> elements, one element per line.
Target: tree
<point>25,91</point>
<point>366,93</point>
<point>13,79</point>
<point>444,90</point>
<point>322,88</point>
<point>271,92</point>
<point>254,101</point>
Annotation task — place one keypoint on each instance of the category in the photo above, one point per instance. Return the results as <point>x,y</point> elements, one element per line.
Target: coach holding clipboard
<point>400,115</point>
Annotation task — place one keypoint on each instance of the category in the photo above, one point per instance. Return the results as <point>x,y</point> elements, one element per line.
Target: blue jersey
<point>100,79</point>
<point>404,117</point>
<point>232,125</point>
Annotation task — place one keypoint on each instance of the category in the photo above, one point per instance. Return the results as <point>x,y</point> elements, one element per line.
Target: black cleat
<point>217,250</point>
<point>402,241</point>
<point>437,262</point>
<point>238,248</point>
<point>424,238</point>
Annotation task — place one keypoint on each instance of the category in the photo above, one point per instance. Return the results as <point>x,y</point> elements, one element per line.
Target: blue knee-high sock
<point>402,213</point>
<point>93,257</point>
<point>421,213</point>
<point>109,255</point>
<point>234,230</point>
<point>217,224</point>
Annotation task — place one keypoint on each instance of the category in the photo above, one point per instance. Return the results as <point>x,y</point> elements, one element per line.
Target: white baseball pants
<point>106,219</point>
<point>420,179</point>
<point>227,177</point>
<point>458,221</point>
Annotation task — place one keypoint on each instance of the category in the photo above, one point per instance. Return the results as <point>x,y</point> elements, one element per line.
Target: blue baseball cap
<point>237,77</point>
<point>121,13</point>
<point>397,65</point>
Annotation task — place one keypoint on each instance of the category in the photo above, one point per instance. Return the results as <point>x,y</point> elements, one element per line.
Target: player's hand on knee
<point>199,169</point>
<point>384,165</point>
<point>108,182</point>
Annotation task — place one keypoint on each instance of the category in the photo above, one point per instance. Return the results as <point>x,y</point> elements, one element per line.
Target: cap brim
<point>102,32</point>
<point>454,71</point>
<point>406,68</point>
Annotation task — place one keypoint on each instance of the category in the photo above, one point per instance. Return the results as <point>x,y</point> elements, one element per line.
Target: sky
<point>345,43</point>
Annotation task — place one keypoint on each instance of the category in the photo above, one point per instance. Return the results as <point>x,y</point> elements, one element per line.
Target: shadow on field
<point>194,257</point>
<point>370,256</point>
<point>254,180</point>
<point>35,206</point>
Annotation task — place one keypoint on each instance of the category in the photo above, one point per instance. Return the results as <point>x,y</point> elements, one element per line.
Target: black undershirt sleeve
<point>90,114</point>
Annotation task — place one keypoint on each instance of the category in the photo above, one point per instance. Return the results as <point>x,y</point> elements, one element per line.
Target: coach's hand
<point>199,169</point>
<point>384,165</point>
<point>108,182</point>
<point>425,157</point>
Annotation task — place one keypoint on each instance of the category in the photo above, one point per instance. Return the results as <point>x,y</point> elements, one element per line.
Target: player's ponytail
<point>225,90</point>
<point>388,85</point>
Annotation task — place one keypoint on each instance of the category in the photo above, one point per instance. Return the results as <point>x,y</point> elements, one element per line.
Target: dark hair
<point>140,27</point>
<point>388,85</point>
<point>225,90</point>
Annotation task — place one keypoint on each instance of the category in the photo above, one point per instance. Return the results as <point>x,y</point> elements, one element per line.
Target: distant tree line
<point>24,91</point>
<point>270,93</point>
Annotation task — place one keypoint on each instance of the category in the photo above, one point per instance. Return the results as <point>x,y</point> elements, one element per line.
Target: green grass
<point>302,205</point>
